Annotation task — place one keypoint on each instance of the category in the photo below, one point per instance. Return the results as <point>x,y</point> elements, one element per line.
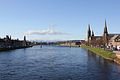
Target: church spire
<point>89,31</point>
<point>105,34</point>
<point>92,33</point>
<point>105,28</point>
<point>24,38</point>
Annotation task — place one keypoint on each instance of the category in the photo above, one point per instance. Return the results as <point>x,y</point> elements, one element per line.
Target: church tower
<point>25,38</point>
<point>105,34</point>
<point>92,34</point>
<point>89,32</point>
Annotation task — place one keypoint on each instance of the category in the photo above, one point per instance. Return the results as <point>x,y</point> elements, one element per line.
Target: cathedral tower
<point>25,38</point>
<point>92,34</point>
<point>89,32</point>
<point>105,34</point>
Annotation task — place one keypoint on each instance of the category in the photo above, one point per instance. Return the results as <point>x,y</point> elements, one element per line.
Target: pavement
<point>117,53</point>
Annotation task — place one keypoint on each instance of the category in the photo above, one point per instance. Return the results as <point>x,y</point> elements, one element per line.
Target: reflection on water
<point>56,63</point>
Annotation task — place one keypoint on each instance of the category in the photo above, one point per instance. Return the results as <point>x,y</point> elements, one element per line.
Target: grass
<point>103,53</point>
<point>106,54</point>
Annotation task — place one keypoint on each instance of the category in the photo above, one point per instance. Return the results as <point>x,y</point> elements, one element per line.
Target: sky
<point>57,19</point>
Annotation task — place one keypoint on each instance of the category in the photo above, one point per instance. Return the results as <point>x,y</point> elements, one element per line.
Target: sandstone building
<point>106,40</point>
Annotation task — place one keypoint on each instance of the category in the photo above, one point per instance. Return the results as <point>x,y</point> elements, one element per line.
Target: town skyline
<point>57,20</point>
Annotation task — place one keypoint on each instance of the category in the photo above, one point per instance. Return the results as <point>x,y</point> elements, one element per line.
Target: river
<point>56,63</point>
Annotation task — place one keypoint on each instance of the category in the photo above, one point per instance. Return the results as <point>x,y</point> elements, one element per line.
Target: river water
<point>55,63</point>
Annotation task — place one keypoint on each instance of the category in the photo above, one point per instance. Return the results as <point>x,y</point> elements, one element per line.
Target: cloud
<point>44,32</point>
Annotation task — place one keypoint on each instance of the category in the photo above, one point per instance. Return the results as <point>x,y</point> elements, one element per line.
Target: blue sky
<point>57,19</point>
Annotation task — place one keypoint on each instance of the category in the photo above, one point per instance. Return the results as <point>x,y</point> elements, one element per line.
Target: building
<point>70,42</point>
<point>8,43</point>
<point>106,40</point>
<point>114,41</point>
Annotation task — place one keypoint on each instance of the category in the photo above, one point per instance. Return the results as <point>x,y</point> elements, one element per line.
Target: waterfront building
<point>114,42</point>
<point>106,40</point>
<point>8,43</point>
<point>70,42</point>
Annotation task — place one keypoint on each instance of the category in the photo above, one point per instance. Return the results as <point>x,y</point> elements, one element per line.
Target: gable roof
<point>114,36</point>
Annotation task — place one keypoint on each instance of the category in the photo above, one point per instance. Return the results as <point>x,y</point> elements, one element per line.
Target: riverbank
<point>6,49</point>
<point>69,45</point>
<point>105,54</point>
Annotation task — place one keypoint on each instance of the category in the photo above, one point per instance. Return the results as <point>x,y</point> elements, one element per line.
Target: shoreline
<point>7,49</point>
<point>69,45</point>
<point>105,54</point>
